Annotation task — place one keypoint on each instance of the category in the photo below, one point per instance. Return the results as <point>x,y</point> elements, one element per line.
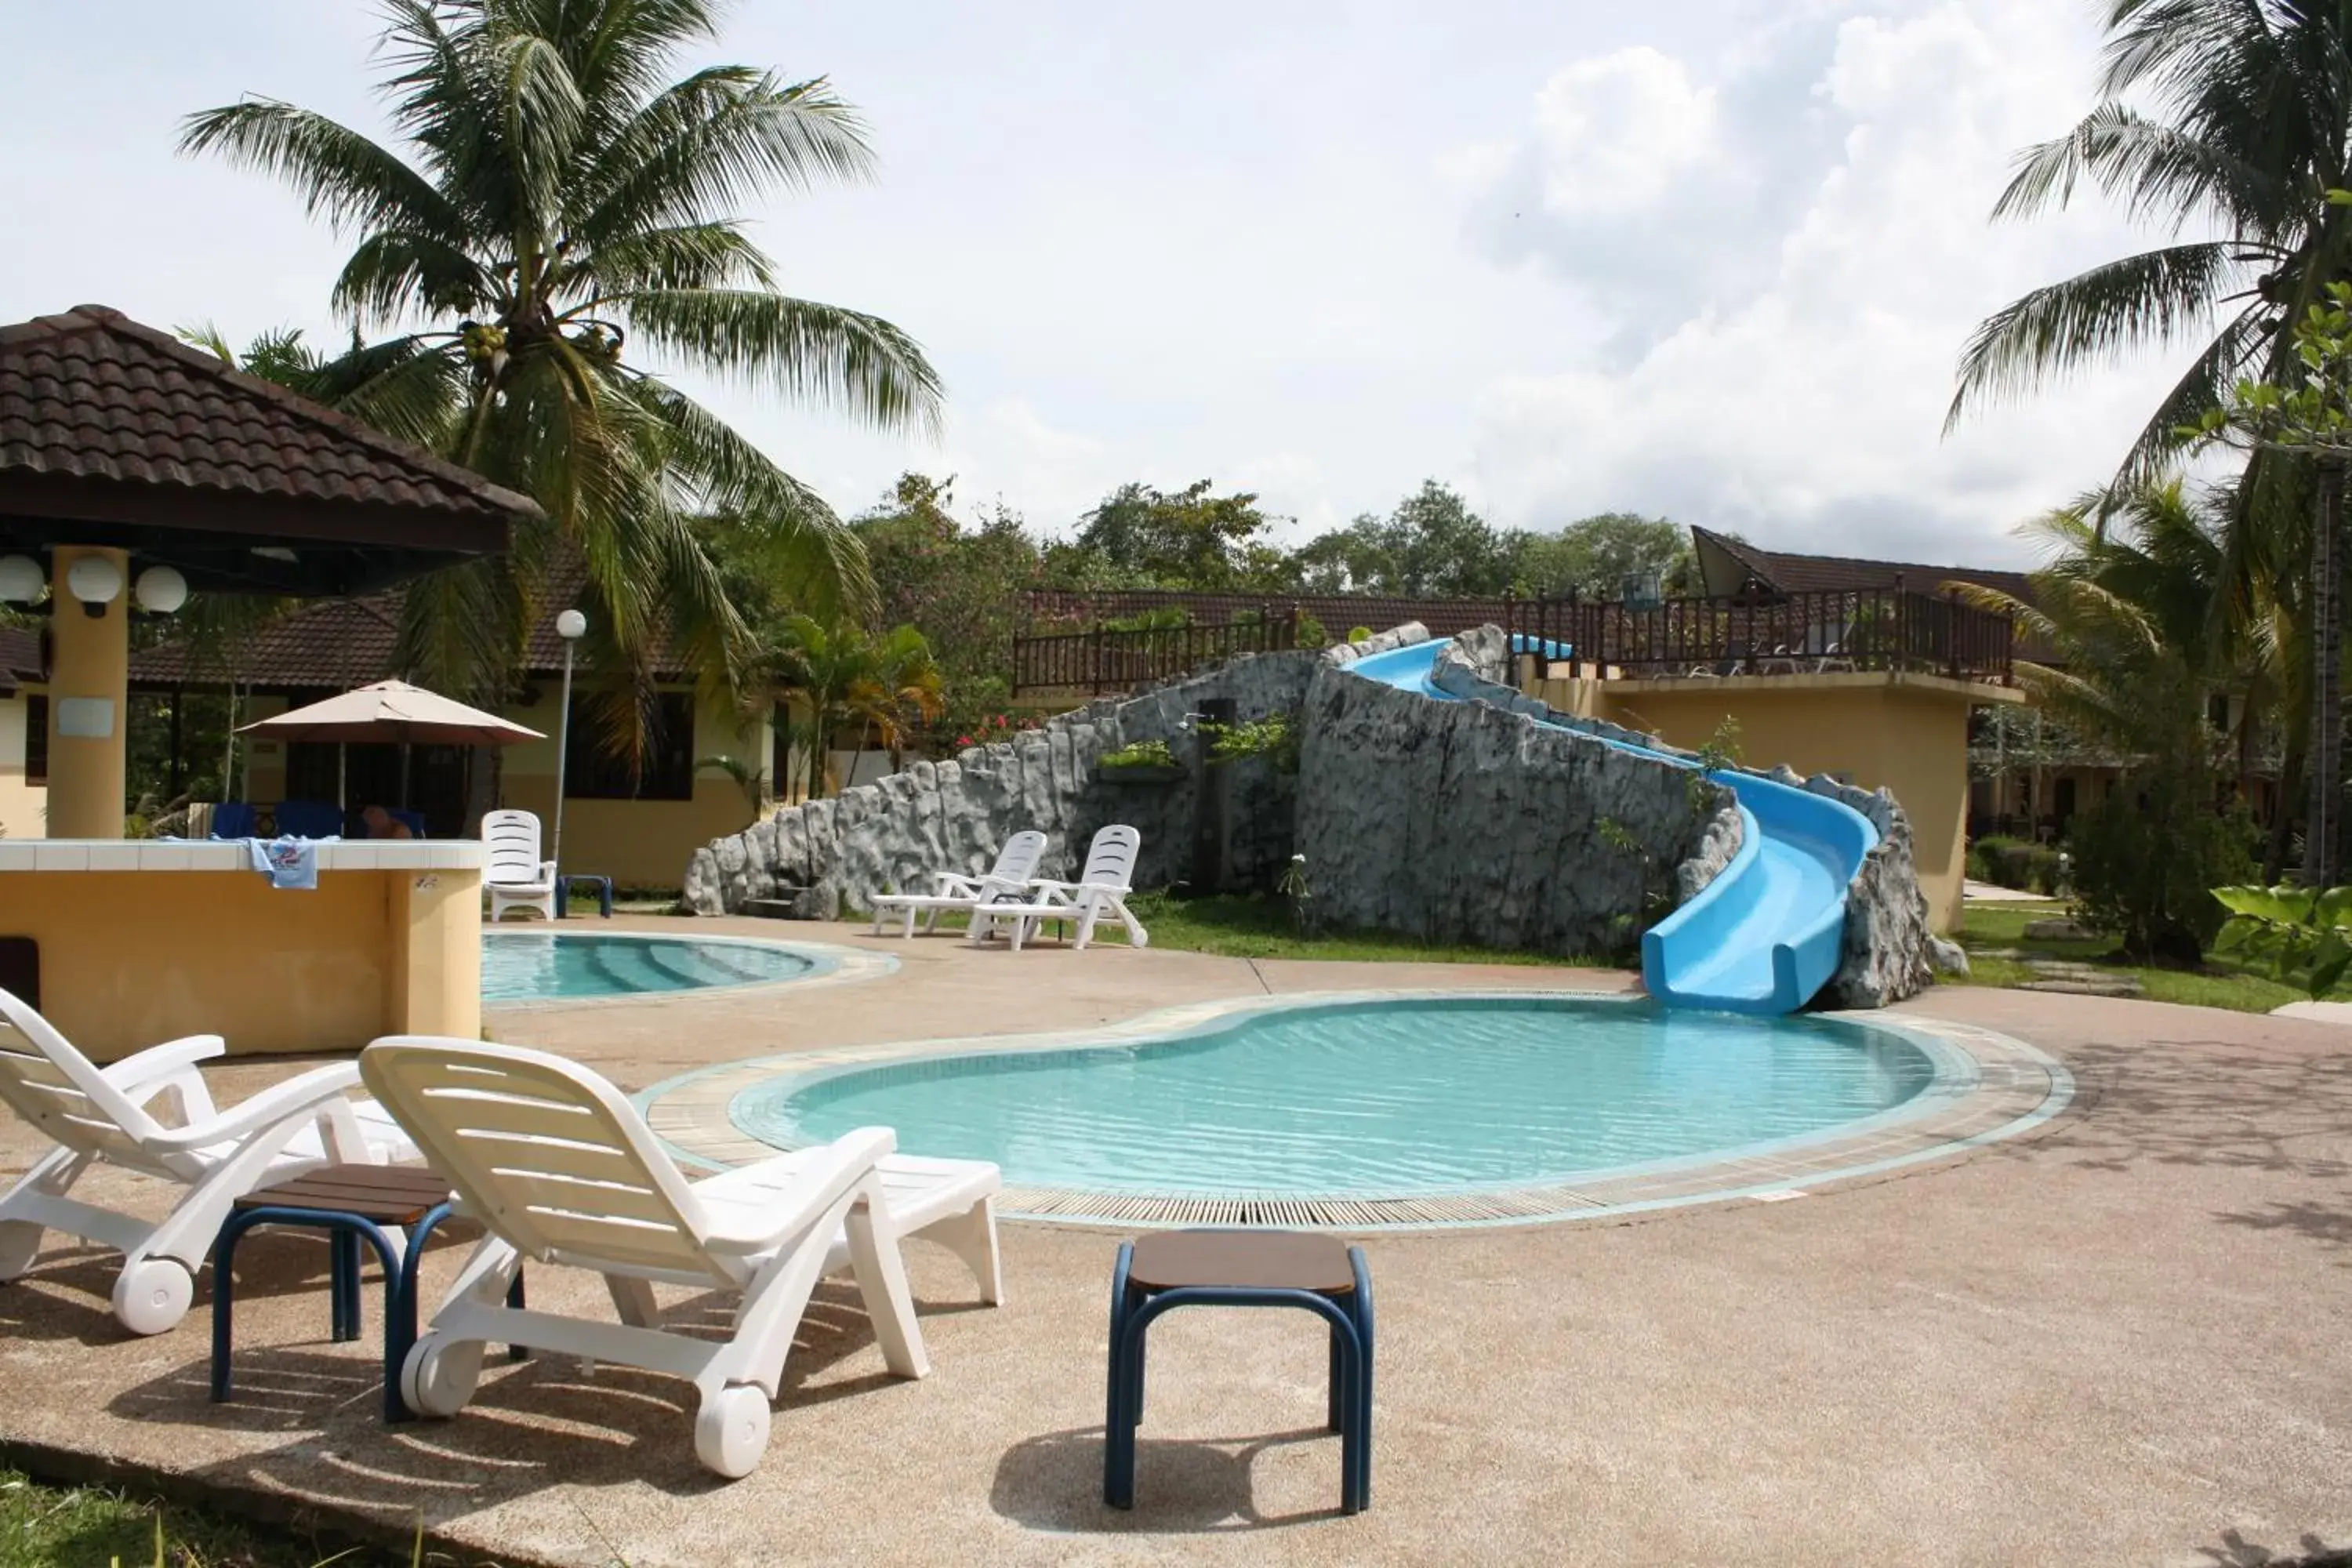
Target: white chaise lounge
<point>514,875</point>
<point>1007,880</point>
<point>560,1168</point>
<point>107,1114</point>
<point>1101,890</point>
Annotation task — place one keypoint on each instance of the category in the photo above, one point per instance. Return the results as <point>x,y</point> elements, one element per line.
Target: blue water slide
<point>1764,935</point>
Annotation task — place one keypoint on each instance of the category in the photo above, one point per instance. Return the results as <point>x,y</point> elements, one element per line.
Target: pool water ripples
<point>1363,1098</point>
<point>539,966</point>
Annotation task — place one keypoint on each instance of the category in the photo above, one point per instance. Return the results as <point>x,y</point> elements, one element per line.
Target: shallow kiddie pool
<point>545,967</point>
<point>1378,1100</point>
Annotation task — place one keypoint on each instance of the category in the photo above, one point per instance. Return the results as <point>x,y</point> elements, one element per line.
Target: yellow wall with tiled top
<point>638,843</point>
<point>130,959</point>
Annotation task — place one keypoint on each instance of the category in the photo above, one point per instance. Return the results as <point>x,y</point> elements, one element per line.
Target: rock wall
<point>817,858</point>
<point>1888,952</point>
<point>1467,822</point>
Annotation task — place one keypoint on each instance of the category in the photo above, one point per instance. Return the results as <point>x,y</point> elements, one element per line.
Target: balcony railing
<point>1101,662</point>
<point>1792,634</point>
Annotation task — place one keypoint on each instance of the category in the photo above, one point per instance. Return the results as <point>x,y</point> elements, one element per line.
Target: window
<point>590,772</point>
<point>36,740</point>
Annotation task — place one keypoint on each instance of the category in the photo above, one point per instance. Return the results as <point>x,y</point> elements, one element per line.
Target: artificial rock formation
<point>1491,820</point>
<point>1888,950</point>
<point>814,860</point>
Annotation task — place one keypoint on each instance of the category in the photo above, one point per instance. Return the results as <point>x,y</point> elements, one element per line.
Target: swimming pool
<point>546,966</point>
<point>1377,1099</point>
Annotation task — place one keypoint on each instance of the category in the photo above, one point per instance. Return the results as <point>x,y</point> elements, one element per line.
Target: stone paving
<point>2117,1340</point>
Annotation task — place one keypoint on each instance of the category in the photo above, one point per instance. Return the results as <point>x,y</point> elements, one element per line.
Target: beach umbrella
<point>389,711</point>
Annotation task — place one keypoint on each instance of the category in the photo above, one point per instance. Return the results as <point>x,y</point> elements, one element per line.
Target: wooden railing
<point>1101,661</point>
<point>1792,634</point>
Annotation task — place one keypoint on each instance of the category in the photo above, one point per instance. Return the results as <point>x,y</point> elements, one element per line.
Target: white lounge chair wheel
<point>439,1377</point>
<point>731,1431</point>
<point>151,1295</point>
<point>20,1243</point>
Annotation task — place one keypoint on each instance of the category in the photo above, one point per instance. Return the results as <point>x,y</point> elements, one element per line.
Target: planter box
<point>1142,774</point>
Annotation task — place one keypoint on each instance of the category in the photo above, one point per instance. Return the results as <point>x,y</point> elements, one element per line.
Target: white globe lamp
<point>21,579</point>
<point>160,590</point>
<point>96,581</point>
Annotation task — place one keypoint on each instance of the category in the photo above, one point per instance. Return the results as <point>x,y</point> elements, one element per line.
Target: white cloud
<point>1803,403</point>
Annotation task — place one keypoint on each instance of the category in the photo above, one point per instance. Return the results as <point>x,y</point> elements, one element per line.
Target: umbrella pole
<point>342,757</point>
<point>404,775</point>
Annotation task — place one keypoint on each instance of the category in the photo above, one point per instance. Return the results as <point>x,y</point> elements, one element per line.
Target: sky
<point>1711,259</point>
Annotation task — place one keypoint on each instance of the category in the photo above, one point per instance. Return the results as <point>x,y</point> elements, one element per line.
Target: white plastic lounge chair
<point>95,1115</point>
<point>1006,881</point>
<point>516,877</point>
<point>1101,889</point>
<point>559,1167</point>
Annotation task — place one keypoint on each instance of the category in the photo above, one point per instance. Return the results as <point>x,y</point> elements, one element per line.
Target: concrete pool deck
<point>2118,1340</point>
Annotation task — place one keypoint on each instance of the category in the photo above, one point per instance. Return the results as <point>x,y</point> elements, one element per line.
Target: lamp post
<point>569,626</point>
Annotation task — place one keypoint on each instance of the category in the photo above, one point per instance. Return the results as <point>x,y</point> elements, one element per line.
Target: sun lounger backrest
<point>1017,861</point>
<point>544,1152</point>
<point>56,1088</point>
<point>512,841</point>
<point>1110,859</point>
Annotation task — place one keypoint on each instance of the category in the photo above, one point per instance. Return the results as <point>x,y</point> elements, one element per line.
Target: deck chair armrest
<point>956,885</point>
<point>547,873</point>
<point>150,1069</point>
<point>308,1091</point>
<point>1070,892</point>
<point>848,1160</point>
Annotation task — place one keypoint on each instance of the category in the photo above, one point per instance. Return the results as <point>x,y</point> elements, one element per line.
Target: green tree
<point>1143,537</point>
<point>2233,117</point>
<point>557,206</point>
<point>2126,601</point>
<point>2309,415</point>
<point>962,584</point>
<point>1430,545</point>
<point>843,678</point>
<point>1597,555</point>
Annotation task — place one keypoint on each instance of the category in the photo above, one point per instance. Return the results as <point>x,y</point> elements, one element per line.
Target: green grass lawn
<point>2220,982</point>
<point>46,1527</point>
<point>1256,925</point>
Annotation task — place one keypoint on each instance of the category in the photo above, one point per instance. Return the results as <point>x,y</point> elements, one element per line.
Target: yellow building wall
<point>130,959</point>
<point>638,843</point>
<point>1910,740</point>
<point>24,808</point>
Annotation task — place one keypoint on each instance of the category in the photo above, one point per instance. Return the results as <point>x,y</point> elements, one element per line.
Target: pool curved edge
<point>830,964</point>
<point>1986,1087</point>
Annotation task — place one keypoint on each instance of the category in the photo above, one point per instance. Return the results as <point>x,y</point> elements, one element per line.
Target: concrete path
<point>2120,1342</point>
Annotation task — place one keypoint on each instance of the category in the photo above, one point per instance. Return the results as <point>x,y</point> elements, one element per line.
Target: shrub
<point>2147,872</point>
<point>1142,754</point>
<point>2301,931</point>
<point>2014,863</point>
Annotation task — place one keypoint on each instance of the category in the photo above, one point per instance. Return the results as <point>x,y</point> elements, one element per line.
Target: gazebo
<point>134,468</point>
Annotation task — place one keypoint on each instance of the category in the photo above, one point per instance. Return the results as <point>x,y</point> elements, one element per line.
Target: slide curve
<point>1765,934</point>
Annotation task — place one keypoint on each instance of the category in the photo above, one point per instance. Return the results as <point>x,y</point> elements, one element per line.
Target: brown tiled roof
<point>93,394</point>
<point>343,643</point>
<point>338,643</point>
<point>1793,573</point>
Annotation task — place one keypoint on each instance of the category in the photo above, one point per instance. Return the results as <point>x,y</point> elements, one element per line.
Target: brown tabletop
<point>1254,1259</point>
<point>388,1194</point>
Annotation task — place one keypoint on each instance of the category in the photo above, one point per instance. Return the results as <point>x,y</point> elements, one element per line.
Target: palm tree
<point>2126,601</point>
<point>2249,126</point>
<point>845,676</point>
<point>555,207</point>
